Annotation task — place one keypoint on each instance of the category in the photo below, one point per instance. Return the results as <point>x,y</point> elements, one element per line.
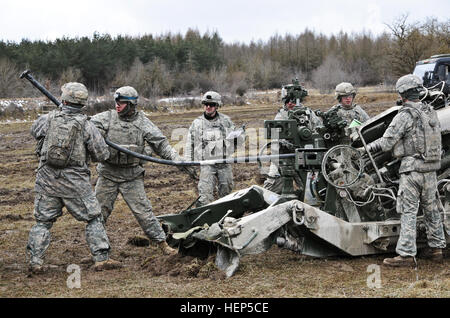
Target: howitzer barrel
<point>26,74</point>
<point>376,126</point>
<point>204,162</point>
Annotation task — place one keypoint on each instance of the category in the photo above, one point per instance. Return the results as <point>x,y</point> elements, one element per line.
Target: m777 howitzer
<point>354,211</point>
<point>354,208</point>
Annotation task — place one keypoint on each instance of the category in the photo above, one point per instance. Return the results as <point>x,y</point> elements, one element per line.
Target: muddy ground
<point>146,272</point>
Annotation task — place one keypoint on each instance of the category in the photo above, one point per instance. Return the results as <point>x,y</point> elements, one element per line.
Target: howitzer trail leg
<point>227,260</point>
<point>250,234</point>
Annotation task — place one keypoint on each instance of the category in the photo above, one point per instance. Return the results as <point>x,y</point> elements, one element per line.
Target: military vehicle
<point>434,70</point>
<point>435,73</point>
<point>353,206</point>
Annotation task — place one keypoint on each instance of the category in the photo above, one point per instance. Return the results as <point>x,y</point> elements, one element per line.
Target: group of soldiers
<point>414,136</point>
<point>68,141</point>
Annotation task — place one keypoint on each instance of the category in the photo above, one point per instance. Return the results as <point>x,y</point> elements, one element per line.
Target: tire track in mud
<point>15,218</point>
<point>14,197</point>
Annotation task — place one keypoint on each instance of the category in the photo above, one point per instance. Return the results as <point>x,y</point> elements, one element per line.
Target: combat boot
<point>166,249</point>
<point>106,265</point>
<point>432,253</point>
<point>37,269</point>
<point>87,260</point>
<point>400,261</point>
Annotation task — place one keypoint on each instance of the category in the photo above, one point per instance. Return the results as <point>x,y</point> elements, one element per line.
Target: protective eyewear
<point>209,104</point>
<point>118,97</point>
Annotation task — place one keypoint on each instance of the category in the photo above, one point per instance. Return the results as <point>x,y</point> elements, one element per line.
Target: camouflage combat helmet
<point>407,82</point>
<point>129,95</point>
<point>126,94</point>
<point>74,93</point>
<point>212,97</point>
<point>344,89</point>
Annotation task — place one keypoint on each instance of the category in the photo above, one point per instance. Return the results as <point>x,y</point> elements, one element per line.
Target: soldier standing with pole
<point>123,173</point>
<point>66,141</point>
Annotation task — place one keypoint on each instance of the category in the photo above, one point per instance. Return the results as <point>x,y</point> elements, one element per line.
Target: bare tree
<point>218,78</point>
<point>438,35</point>
<point>70,74</point>
<point>150,80</point>
<point>329,74</point>
<point>10,85</point>
<point>409,45</point>
<point>238,83</point>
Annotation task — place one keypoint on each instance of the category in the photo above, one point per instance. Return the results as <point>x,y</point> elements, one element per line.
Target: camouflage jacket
<point>207,138</point>
<point>399,137</point>
<point>356,112</point>
<point>72,181</point>
<point>133,133</point>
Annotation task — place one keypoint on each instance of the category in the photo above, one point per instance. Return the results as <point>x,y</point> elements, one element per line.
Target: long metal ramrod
<point>210,162</point>
<point>27,75</point>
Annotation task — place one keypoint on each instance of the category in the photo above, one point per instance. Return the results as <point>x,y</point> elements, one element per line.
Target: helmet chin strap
<point>127,111</point>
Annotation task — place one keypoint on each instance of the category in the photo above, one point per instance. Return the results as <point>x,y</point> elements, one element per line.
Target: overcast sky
<point>234,20</point>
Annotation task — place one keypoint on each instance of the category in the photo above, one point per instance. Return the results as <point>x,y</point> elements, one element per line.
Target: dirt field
<point>277,273</point>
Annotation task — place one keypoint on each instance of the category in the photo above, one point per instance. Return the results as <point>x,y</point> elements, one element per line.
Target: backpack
<point>63,132</point>
<point>427,137</point>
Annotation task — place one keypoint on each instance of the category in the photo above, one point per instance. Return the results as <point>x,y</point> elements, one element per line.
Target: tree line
<point>175,64</point>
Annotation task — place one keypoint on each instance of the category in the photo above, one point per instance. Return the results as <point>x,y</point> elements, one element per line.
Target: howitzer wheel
<point>342,166</point>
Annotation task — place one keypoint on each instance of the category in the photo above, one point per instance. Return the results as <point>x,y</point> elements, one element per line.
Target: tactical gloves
<point>372,148</point>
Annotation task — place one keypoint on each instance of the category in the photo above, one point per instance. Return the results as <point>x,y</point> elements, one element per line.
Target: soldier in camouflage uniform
<point>66,142</point>
<point>414,136</point>
<point>274,181</point>
<point>206,140</point>
<point>345,94</point>
<point>122,173</point>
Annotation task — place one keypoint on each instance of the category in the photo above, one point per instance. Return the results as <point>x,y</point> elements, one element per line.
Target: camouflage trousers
<point>47,209</point>
<point>133,193</point>
<point>418,189</point>
<point>212,176</point>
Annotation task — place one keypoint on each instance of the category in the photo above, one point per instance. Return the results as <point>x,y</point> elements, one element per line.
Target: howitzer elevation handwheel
<point>342,166</point>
